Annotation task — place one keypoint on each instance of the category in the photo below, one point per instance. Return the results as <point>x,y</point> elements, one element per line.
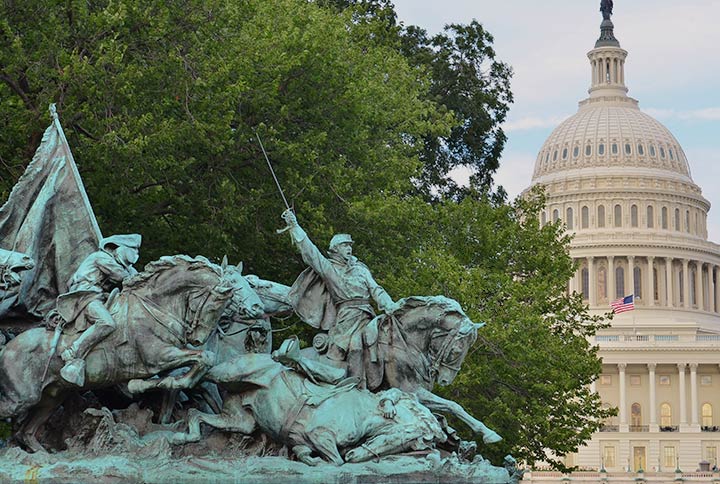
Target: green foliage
<point>529,373</point>
<point>362,118</point>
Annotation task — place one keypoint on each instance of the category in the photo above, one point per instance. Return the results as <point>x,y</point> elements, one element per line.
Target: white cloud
<point>706,114</point>
<point>532,122</point>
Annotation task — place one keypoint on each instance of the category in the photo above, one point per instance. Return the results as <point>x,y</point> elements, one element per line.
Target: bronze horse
<point>176,301</point>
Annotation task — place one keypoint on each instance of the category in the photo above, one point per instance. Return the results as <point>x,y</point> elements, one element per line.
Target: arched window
<point>602,283</point>
<point>585,276</point>
<point>619,282</point>
<point>543,218</point>
<point>652,151</point>
<point>640,149</point>
<point>670,150</point>
<point>655,285</point>
<point>634,216</point>
<point>662,152</point>
<point>569,218</point>
<point>564,155</point>
<point>601,149</point>
<point>637,279</point>
<point>681,286</point>
<point>636,415</point>
<point>687,221</point>
<point>556,215</point>
<point>707,419</point>
<point>650,217</point>
<point>555,155</point>
<point>665,415</point>
<point>588,150</point>
<point>677,219</point>
<point>693,292</point>
<point>601,216</point>
<point>614,149</point>
<point>576,152</point>
<point>628,149</point>
<point>585,217</point>
<point>664,218</point>
<point>618,216</point>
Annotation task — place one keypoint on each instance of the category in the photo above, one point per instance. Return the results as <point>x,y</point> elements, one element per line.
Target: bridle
<point>438,360</point>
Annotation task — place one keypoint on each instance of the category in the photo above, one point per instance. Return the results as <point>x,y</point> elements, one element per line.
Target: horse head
<point>245,304</point>
<point>11,265</point>
<point>193,290</point>
<point>442,331</point>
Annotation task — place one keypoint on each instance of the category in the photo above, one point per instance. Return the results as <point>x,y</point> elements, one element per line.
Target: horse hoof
<point>491,438</point>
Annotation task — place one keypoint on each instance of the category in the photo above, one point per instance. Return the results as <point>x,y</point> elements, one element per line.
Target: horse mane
<point>166,262</point>
<point>446,304</point>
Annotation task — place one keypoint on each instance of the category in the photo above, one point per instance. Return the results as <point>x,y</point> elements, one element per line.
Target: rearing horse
<point>176,301</point>
<point>419,345</point>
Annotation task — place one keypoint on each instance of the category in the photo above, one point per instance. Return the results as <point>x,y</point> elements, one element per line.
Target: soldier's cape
<point>48,217</point>
<point>311,300</point>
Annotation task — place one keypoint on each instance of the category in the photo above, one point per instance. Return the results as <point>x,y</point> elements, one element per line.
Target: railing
<point>708,428</point>
<point>607,338</point>
<point>707,337</point>
<point>667,337</point>
<point>610,428</point>
<point>637,337</point>
<point>669,428</point>
<point>639,428</point>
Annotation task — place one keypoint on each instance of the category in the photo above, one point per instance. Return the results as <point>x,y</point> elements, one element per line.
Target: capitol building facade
<point>620,181</point>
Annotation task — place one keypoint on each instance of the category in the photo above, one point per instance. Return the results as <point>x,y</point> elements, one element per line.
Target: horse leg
<point>242,423</point>
<point>325,444</point>
<point>171,358</point>
<point>439,404</point>
<point>303,453</point>
<point>389,442</point>
<point>168,405</point>
<point>38,416</point>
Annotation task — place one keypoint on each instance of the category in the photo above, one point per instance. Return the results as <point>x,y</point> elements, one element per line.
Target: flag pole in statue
<point>48,217</point>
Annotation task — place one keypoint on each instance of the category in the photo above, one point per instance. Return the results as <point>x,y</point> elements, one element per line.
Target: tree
<point>363,119</point>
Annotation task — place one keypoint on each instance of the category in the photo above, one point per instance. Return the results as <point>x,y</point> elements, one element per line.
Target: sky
<point>673,69</point>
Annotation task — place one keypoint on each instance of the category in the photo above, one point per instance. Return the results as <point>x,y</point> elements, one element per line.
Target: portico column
<point>631,271</point>
<point>592,300</point>
<point>669,302</point>
<point>611,277</point>
<point>683,394</point>
<point>693,394</point>
<point>699,285</point>
<point>653,403</point>
<point>711,287</point>
<point>686,284</point>
<point>623,403</point>
<point>651,282</point>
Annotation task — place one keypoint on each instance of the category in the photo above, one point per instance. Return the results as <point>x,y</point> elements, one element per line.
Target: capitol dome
<point>610,134</point>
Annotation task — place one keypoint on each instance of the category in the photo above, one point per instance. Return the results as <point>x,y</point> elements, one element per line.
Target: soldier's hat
<point>126,240</point>
<point>340,239</point>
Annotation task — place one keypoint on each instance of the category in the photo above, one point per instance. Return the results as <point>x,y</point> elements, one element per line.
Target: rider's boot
<point>74,355</point>
<point>289,355</point>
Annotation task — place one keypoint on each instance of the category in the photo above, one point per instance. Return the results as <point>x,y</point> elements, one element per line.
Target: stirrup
<point>289,351</point>
<point>74,372</point>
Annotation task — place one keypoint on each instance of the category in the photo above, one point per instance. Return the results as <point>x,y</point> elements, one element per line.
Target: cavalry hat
<point>126,240</point>
<point>340,239</point>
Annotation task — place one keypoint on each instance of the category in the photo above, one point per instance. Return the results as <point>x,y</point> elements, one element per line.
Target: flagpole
<point>74,170</point>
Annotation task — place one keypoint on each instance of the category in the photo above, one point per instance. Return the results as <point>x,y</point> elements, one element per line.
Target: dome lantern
<point>607,60</point>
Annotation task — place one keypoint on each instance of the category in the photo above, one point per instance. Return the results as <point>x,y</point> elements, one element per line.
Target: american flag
<point>623,304</point>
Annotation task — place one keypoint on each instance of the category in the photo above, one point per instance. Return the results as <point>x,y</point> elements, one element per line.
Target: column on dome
<point>683,394</point>
<point>699,285</point>
<point>670,297</point>
<point>653,399</point>
<point>686,284</point>
<point>611,277</point>
<point>693,395</point>
<point>650,298</point>
<point>623,397</point>
<point>592,277</point>
<point>631,275</point>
